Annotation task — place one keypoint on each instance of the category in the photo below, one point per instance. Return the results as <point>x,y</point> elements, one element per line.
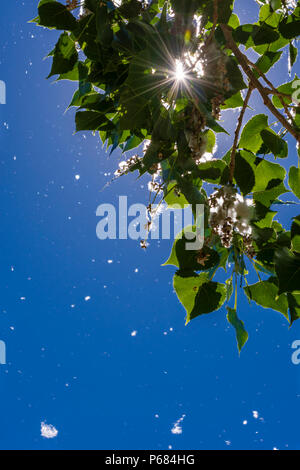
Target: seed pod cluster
<point>126,166</point>
<point>229,213</point>
<point>215,75</point>
<point>195,136</point>
<point>154,187</point>
<point>72,4</point>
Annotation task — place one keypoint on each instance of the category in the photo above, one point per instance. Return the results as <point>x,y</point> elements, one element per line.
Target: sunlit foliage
<point>159,73</point>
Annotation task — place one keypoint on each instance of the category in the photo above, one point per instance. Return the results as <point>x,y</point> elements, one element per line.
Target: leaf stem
<point>256,270</point>
<point>235,300</point>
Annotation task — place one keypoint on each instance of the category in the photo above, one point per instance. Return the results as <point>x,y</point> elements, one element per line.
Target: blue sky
<point>73,363</point>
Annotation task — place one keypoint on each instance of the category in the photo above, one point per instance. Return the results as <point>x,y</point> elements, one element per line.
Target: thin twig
<point>237,133</point>
<point>273,90</point>
<point>243,62</point>
<point>277,93</point>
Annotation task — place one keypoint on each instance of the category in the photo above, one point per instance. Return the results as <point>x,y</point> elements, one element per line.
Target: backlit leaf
<point>198,295</point>
<point>56,15</point>
<point>241,333</point>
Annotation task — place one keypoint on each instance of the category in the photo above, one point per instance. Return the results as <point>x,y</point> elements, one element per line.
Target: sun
<point>180,73</point>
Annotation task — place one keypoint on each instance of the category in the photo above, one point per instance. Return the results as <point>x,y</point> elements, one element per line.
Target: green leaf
<point>278,146</point>
<point>268,175</point>
<point>235,101</point>
<point>293,52</point>
<point>97,102</point>
<point>157,152</point>
<point>211,171</point>
<point>294,180</point>
<point>130,9</point>
<point>211,141</point>
<point>81,94</point>
<point>275,4</point>
<point>295,234</point>
<point>297,116</point>
<point>265,220</point>
<point>265,293</point>
<point>189,260</point>
<point>234,75</point>
<point>65,56</point>
<point>132,143</point>
<point>274,47</point>
<point>229,289</point>
<point>262,235</point>
<point>289,28</point>
<point>268,197</point>
<point>56,15</point>
<point>172,198</point>
<point>42,2</point>
<point>234,21</point>
<point>173,260</point>
<point>104,31</point>
<point>191,193</point>
<point>250,34</point>
<point>242,33</point>
<point>268,16</point>
<point>243,174</point>
<point>198,295</point>
<point>288,89</point>
<point>264,35</point>
<point>250,137</point>
<point>224,254</point>
<point>266,62</point>
<point>141,80</point>
<point>287,265</point>
<point>225,10</point>
<point>86,35</point>
<point>241,333</point>
<point>92,121</point>
<point>135,111</point>
<point>78,73</point>
<point>294,306</point>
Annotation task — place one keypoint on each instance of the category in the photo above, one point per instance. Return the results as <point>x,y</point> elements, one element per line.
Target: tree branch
<point>243,62</point>
<point>270,91</point>
<point>273,90</point>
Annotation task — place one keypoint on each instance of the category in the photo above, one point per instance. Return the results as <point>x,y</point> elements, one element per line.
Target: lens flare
<point>180,74</point>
